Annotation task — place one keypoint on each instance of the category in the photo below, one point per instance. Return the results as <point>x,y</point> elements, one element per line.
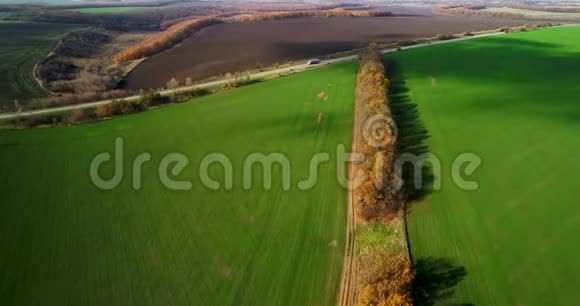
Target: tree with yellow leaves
<point>385,280</point>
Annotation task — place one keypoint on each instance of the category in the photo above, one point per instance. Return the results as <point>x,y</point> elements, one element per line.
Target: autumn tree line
<point>383,277</point>
<point>378,198</point>
<point>476,11</point>
<point>339,12</point>
<point>553,9</point>
<point>166,39</point>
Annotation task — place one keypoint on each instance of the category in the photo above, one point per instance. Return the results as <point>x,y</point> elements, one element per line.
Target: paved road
<point>221,82</point>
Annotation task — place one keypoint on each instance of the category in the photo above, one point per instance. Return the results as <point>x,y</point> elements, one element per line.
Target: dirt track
<point>346,294</point>
<point>241,46</point>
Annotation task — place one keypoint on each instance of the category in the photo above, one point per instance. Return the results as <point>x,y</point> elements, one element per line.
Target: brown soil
<point>235,47</point>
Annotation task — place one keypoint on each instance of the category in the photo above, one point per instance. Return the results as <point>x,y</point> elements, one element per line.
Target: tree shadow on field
<point>411,136</point>
<point>435,281</point>
<point>435,278</point>
<point>524,76</point>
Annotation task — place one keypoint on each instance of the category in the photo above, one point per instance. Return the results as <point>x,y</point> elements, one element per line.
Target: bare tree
<point>172,84</point>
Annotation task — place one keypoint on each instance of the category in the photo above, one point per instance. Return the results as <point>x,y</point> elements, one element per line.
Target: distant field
<point>216,50</point>
<point>535,14</point>
<point>23,46</point>
<point>67,243</point>
<point>513,100</point>
<point>112,10</point>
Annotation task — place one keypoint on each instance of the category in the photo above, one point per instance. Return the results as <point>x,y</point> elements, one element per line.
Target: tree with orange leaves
<point>385,280</point>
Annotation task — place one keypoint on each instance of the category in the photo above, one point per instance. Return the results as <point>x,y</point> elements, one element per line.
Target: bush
<point>406,43</point>
<point>172,84</point>
<point>118,107</point>
<point>236,80</point>
<point>104,111</point>
<point>153,98</point>
<point>445,36</point>
<point>42,120</point>
<point>186,95</point>
<point>77,116</point>
<point>124,107</point>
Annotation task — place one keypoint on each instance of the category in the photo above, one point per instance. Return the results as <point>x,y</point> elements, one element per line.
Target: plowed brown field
<point>236,47</point>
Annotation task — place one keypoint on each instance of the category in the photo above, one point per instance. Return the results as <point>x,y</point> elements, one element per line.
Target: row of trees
<point>340,12</point>
<point>148,100</point>
<point>479,12</point>
<point>554,9</point>
<point>376,198</point>
<point>384,276</point>
<point>166,39</point>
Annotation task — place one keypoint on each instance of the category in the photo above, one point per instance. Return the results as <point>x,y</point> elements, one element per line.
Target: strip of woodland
<point>311,13</point>
<point>383,276</point>
<point>166,39</point>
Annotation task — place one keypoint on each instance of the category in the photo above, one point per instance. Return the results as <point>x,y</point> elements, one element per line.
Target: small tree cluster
<point>77,116</point>
<point>237,80</point>
<point>445,36</point>
<point>384,280</point>
<point>153,98</point>
<point>185,95</point>
<point>118,107</point>
<point>172,84</point>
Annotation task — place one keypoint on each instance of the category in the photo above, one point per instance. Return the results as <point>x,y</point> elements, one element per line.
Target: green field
<point>513,100</point>
<point>23,46</point>
<point>65,242</point>
<point>111,10</point>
